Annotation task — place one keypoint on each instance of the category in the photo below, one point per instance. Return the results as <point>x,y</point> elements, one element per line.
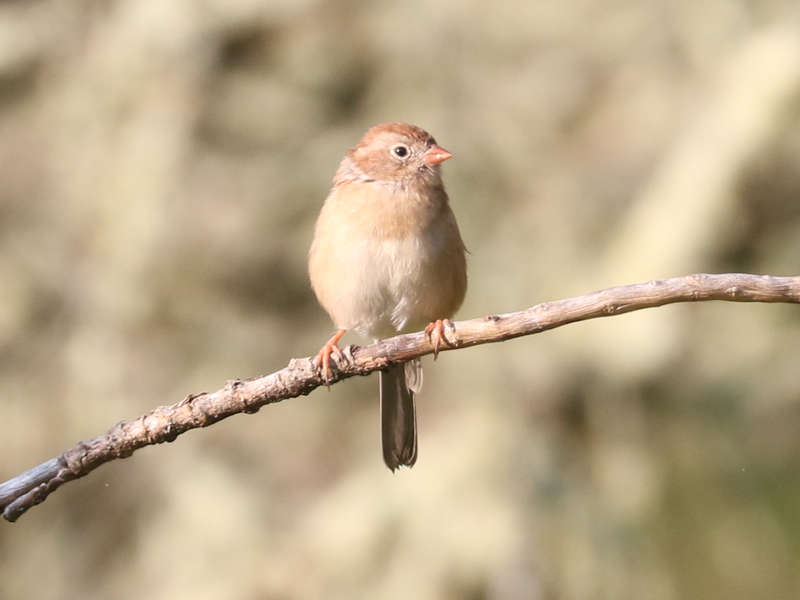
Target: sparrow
<point>387,257</point>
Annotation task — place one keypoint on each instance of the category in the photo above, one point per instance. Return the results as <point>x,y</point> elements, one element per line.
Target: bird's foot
<point>322,361</point>
<point>441,332</point>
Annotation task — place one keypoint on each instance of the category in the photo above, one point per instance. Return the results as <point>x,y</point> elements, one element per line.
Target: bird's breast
<point>382,260</point>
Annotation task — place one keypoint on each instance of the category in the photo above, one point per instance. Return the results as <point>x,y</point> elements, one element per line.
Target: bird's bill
<point>436,154</point>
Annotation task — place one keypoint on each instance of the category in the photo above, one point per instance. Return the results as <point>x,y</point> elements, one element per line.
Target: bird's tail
<point>398,384</point>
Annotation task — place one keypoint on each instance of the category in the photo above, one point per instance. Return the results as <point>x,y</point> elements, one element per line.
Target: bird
<point>387,257</point>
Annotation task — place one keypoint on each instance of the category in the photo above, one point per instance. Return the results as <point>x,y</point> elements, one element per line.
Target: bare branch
<point>165,423</point>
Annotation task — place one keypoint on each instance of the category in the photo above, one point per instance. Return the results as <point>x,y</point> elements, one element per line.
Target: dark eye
<point>400,150</point>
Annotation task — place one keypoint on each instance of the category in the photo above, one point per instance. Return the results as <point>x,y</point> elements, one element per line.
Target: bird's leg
<point>436,334</point>
<point>322,360</point>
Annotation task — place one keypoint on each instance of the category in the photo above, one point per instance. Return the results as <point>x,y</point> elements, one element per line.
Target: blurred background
<point>162,165</point>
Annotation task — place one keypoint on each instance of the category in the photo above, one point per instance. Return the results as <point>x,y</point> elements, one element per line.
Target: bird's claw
<point>441,332</point>
<point>322,361</point>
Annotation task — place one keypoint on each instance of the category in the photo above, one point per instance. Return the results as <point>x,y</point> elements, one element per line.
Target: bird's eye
<point>400,150</point>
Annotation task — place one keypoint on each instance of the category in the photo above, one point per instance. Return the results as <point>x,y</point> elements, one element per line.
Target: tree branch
<point>165,423</point>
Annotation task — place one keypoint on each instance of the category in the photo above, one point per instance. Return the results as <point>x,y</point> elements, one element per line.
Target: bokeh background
<point>161,167</point>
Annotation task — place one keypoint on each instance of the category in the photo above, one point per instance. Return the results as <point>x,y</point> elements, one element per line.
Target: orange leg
<point>323,358</point>
<point>435,334</point>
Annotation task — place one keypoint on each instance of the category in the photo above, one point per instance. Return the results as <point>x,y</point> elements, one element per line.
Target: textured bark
<point>165,423</point>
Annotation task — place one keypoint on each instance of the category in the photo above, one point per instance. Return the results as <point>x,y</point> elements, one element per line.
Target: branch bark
<point>165,423</point>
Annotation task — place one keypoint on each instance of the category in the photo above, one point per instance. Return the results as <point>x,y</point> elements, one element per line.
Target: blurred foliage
<point>162,166</point>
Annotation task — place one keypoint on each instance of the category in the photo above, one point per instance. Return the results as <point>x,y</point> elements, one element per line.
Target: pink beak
<point>436,154</point>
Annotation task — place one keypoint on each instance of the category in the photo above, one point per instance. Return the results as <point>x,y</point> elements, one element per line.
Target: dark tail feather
<point>398,418</point>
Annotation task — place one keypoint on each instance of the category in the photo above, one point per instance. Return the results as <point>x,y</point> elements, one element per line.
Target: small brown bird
<point>387,257</point>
